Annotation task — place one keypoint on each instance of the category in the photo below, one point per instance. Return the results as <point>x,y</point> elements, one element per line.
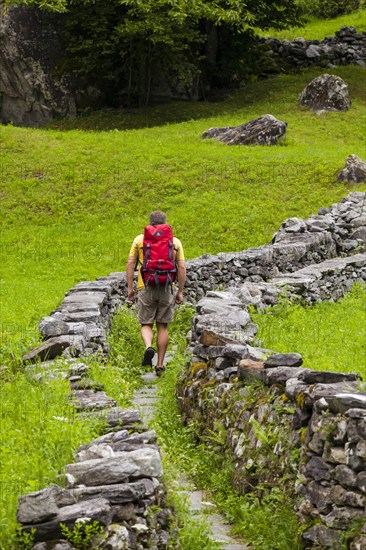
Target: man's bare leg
<point>162,343</point>
<point>147,336</point>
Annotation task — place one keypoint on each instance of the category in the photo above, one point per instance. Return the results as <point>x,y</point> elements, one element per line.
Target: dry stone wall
<point>285,426</point>
<point>117,478</point>
<point>347,47</point>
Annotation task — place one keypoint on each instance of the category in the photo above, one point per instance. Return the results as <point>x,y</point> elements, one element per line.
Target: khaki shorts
<point>155,304</point>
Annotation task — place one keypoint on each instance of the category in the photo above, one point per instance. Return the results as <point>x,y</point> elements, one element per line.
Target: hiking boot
<point>148,355</point>
<point>159,370</point>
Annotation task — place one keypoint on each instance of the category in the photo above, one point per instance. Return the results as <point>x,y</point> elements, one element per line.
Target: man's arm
<point>181,280</point>
<point>130,269</point>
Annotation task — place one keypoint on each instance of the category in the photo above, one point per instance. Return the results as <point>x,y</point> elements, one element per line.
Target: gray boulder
<point>355,170</point>
<point>104,471</point>
<point>264,130</point>
<point>52,348</point>
<point>327,92</point>
<point>97,509</point>
<point>283,360</point>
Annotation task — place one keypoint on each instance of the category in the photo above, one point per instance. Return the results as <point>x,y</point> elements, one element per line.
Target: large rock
<point>105,471</point>
<point>30,49</point>
<point>43,505</point>
<point>327,92</point>
<point>355,170</point>
<point>264,130</point>
<point>97,509</point>
<point>52,348</point>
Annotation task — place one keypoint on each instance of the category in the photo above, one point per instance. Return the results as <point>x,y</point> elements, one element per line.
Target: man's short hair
<point>157,217</point>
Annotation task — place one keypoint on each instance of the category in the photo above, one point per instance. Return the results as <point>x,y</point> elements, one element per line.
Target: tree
<point>128,46</point>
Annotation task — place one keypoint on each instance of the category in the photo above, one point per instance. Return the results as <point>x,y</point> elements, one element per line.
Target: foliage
<point>82,534</point>
<point>24,540</point>
<point>176,44</point>
<point>121,376</point>
<point>327,334</point>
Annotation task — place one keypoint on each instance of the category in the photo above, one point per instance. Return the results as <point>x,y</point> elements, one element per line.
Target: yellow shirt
<point>136,252</point>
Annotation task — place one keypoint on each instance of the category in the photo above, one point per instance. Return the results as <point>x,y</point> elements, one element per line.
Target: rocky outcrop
<point>264,130</point>
<point>30,50</point>
<point>355,170</point>
<point>345,48</point>
<point>327,92</point>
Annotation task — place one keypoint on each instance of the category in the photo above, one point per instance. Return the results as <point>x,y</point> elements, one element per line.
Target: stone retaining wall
<point>345,48</point>
<point>115,480</point>
<point>339,229</point>
<point>221,335</point>
<point>285,426</point>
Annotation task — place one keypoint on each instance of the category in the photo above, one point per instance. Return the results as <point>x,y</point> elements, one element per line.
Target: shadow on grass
<point>284,88</point>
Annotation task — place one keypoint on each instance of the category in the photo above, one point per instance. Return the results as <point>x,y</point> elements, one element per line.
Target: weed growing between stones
<point>82,535</point>
<point>330,336</point>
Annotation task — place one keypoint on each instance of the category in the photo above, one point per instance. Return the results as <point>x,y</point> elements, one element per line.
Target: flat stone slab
<point>50,349</point>
<point>85,400</point>
<point>97,509</point>
<point>342,402</point>
<point>283,360</point>
<point>85,298</point>
<point>309,274</point>
<point>117,493</point>
<point>121,467</point>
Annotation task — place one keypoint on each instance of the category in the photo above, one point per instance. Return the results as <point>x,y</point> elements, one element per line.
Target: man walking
<point>162,265</point>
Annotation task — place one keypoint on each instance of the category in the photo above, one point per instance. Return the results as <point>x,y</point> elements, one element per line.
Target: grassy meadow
<point>315,29</point>
<point>72,200</point>
<point>75,194</point>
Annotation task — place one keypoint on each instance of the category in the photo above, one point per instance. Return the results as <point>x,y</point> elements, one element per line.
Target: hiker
<point>160,283</point>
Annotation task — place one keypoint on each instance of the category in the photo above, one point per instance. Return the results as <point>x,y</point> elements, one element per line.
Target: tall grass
<point>329,336</point>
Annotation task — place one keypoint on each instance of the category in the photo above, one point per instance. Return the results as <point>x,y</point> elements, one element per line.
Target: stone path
<point>144,400</point>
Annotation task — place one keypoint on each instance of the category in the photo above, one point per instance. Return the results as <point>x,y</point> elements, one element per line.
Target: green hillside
<point>73,199</point>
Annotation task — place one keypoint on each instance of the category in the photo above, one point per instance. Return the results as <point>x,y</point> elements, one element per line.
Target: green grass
<point>329,336</point>
<point>72,201</point>
<point>39,430</point>
<point>39,433</point>
<point>317,29</point>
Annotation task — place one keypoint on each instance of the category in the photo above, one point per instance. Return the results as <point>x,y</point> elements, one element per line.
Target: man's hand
<point>130,267</point>
<point>179,297</point>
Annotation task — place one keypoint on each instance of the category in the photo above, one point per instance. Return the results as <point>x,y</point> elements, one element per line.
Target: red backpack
<point>158,267</point>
